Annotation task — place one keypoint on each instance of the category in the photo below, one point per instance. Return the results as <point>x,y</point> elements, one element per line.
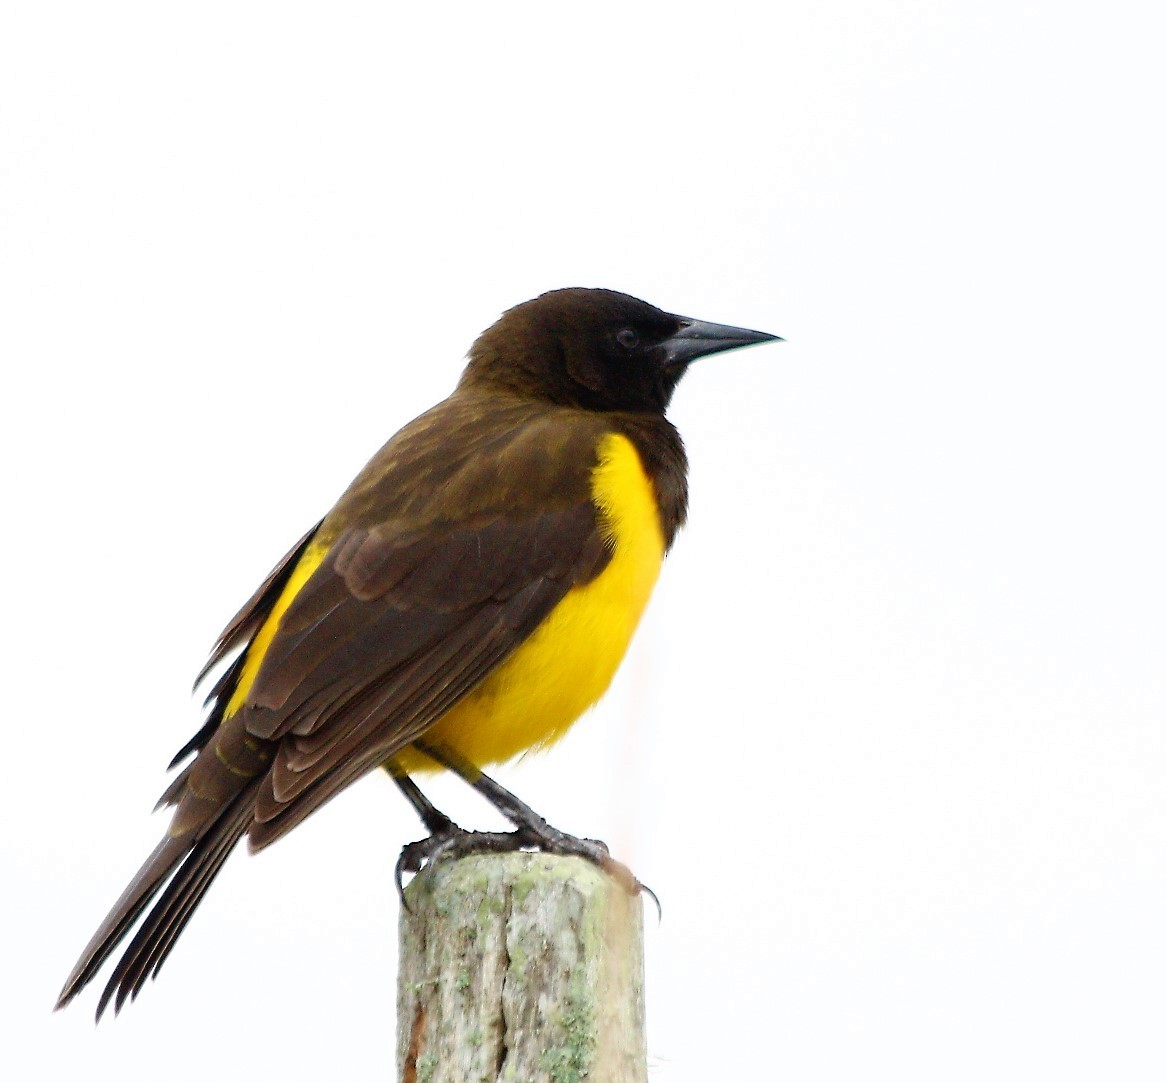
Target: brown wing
<point>391,632</point>
<point>443,556</point>
<point>237,634</point>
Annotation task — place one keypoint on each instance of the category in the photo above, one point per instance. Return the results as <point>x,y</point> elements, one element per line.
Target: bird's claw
<point>456,842</point>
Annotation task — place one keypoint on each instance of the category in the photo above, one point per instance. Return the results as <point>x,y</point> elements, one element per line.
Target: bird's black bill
<point>696,338</point>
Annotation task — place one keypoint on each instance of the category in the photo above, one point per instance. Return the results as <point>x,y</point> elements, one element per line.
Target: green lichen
<point>427,1065</point>
<point>489,907</point>
<point>571,1060</point>
<point>521,888</point>
<point>535,870</point>
<point>517,968</point>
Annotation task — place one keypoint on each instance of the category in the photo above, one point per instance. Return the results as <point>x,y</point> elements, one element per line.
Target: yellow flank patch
<point>532,699</point>
<point>309,562</point>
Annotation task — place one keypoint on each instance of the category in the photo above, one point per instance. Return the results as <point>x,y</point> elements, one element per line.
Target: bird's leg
<point>436,821</point>
<point>531,828</point>
<point>441,828</point>
<point>445,836</point>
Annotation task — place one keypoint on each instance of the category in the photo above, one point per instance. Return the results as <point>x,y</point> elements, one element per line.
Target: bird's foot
<point>455,842</point>
<point>553,841</point>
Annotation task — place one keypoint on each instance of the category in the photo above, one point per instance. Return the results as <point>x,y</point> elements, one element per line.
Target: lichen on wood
<point>525,967</point>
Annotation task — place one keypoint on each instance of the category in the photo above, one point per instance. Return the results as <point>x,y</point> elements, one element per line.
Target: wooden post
<point>524,967</point>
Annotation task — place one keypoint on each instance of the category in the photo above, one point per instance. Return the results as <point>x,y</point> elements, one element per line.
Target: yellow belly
<point>532,699</point>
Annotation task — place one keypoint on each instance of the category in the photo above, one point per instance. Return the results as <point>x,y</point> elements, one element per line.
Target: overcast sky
<point>890,744</point>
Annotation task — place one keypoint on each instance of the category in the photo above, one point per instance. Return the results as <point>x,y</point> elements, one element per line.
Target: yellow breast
<point>533,698</point>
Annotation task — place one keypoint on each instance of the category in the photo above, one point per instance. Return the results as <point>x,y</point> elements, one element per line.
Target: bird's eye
<point>628,338</point>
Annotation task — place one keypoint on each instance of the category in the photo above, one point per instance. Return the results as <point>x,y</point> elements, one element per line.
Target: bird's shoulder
<point>481,456</point>
<point>474,455</point>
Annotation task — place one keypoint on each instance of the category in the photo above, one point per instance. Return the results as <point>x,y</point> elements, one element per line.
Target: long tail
<point>215,802</point>
<point>197,864</point>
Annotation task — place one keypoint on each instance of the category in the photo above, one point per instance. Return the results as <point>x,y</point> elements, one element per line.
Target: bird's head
<point>596,349</point>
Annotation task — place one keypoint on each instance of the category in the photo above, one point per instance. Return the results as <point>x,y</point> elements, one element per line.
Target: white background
<point>890,743</point>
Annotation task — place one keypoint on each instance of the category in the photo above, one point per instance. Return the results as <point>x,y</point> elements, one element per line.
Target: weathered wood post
<point>524,967</point>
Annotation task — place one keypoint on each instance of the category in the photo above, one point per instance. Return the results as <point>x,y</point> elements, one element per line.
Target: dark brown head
<point>596,349</point>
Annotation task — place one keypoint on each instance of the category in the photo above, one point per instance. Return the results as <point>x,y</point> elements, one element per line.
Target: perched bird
<point>468,597</point>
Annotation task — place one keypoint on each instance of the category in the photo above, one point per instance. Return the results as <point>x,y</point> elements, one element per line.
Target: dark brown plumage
<point>448,550</point>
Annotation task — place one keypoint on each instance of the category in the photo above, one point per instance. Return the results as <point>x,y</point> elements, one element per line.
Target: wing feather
<point>443,556</point>
<point>400,702</point>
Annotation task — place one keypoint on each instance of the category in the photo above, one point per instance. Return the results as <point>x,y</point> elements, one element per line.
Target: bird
<point>468,597</point>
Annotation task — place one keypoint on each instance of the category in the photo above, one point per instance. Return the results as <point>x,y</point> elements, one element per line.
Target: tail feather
<point>175,791</point>
<point>156,938</point>
<point>214,801</point>
<point>190,863</point>
<point>144,886</point>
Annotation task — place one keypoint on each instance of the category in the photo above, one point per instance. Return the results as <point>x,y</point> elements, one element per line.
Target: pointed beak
<point>696,338</point>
